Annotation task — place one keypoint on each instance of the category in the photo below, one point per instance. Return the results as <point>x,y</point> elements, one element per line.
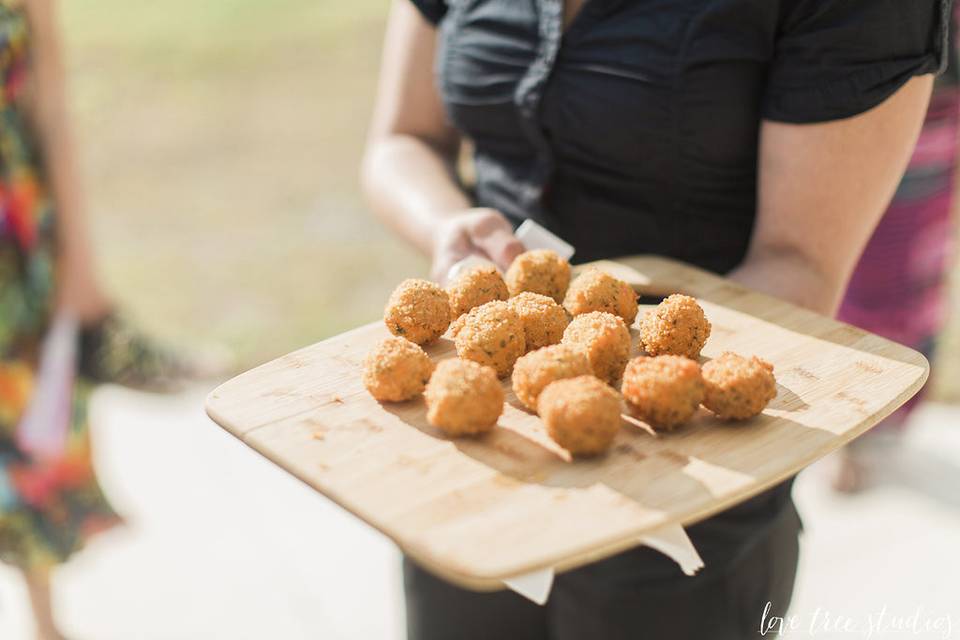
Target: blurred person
<point>59,332</point>
<point>900,286</point>
<point>761,140</point>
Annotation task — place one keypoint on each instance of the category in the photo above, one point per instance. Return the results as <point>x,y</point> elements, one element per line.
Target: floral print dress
<point>50,501</point>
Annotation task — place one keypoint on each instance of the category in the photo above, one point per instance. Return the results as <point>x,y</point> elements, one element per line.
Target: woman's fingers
<point>483,232</point>
<point>492,234</point>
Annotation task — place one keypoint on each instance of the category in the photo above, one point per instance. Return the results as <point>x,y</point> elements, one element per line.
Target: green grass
<point>220,140</point>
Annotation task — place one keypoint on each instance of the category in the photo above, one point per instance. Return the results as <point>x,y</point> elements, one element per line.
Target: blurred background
<point>220,142</point>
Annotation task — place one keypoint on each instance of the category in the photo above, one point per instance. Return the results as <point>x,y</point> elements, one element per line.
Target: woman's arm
<point>822,190</point>
<point>45,104</point>
<point>408,170</point>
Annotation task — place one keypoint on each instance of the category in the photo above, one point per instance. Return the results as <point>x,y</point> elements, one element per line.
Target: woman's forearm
<point>411,186</point>
<point>822,189</point>
<point>791,276</point>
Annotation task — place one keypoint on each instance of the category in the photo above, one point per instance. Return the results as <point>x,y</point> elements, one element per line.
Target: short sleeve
<point>432,10</point>
<point>835,59</point>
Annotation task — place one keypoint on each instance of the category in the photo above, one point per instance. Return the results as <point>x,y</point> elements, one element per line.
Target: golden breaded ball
<point>738,388</point>
<point>456,325</point>
<point>677,326</point>
<point>581,414</point>
<point>534,371</point>
<point>605,339</point>
<point>417,310</point>
<point>663,390</point>
<point>595,290</point>
<point>539,271</point>
<point>543,319</point>
<point>474,287</point>
<point>396,370</point>
<point>463,398</point>
<point>492,334</point>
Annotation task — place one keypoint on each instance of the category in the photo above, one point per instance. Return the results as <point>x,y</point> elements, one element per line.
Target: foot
<point>868,460</point>
<point>112,350</point>
<point>50,634</point>
<point>849,475</point>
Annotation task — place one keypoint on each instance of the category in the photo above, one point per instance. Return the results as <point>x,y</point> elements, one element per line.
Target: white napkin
<point>533,236</point>
<point>670,540</point>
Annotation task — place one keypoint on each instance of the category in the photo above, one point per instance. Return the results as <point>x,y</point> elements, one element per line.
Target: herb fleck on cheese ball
<point>543,319</point>
<point>663,390</point>
<point>677,326</point>
<point>475,287</point>
<point>738,388</point>
<point>539,368</point>
<point>595,290</point>
<point>605,339</point>
<point>492,334</point>
<point>540,271</point>
<point>417,310</point>
<point>396,370</point>
<point>581,414</point>
<point>463,398</point>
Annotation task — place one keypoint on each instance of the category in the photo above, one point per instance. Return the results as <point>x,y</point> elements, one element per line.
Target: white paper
<point>534,236</point>
<point>534,586</point>
<point>673,542</point>
<point>43,427</point>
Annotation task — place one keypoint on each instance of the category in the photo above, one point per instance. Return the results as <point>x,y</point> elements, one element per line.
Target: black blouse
<point>636,129</point>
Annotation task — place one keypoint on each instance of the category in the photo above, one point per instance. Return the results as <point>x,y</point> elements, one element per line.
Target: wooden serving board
<point>477,511</point>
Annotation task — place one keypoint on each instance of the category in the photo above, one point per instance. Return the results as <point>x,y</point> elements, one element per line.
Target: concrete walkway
<point>221,544</point>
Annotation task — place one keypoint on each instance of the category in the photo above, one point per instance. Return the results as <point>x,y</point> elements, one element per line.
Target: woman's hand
<point>482,232</point>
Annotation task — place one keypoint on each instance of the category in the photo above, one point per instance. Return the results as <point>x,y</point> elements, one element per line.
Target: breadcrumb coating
<point>677,326</point>
<point>663,390</point>
<point>534,371</point>
<point>539,271</point>
<point>581,414</point>
<point>396,370</point>
<point>738,388</point>
<point>417,310</point>
<point>596,290</point>
<point>605,339</point>
<point>543,319</point>
<point>475,287</point>
<point>463,398</point>
<point>492,334</point>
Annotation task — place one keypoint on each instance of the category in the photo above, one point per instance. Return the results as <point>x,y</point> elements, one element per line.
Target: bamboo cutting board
<point>478,511</point>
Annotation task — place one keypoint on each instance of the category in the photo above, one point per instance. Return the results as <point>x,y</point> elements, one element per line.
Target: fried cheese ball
<point>543,319</point>
<point>605,339</point>
<point>677,326</point>
<point>738,388</point>
<point>596,290</point>
<point>534,371</point>
<point>456,325</point>
<point>540,271</point>
<point>417,310</point>
<point>492,334</point>
<point>581,414</point>
<point>463,398</point>
<point>475,287</point>
<point>663,390</point>
<point>396,370</point>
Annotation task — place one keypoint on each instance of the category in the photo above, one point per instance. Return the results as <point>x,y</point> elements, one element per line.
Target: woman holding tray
<point>758,139</point>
